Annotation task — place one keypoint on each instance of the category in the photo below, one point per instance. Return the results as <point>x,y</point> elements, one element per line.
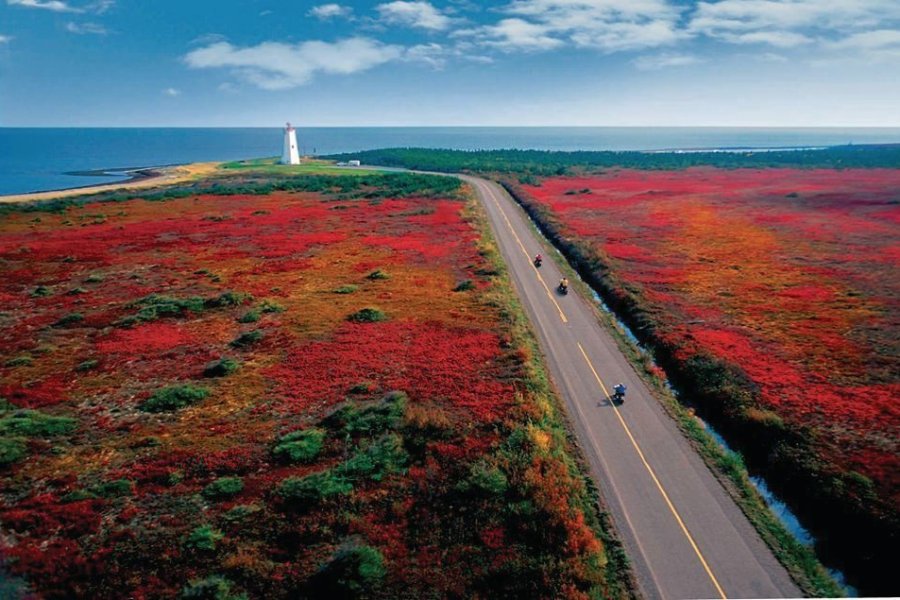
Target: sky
<point>785,63</point>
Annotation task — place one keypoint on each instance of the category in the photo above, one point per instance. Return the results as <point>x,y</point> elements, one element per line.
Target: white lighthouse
<point>290,156</point>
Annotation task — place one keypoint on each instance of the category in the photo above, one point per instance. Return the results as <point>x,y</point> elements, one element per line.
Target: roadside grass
<point>270,166</point>
<point>728,466</point>
<point>554,418</point>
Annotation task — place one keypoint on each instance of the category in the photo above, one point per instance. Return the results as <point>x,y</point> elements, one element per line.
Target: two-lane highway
<point>686,537</point>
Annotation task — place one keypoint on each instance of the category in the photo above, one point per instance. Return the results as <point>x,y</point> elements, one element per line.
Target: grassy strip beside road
<point>271,166</point>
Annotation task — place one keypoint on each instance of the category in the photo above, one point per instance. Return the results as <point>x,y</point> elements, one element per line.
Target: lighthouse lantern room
<point>289,155</point>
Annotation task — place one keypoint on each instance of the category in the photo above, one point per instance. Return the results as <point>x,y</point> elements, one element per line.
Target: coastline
<point>141,178</point>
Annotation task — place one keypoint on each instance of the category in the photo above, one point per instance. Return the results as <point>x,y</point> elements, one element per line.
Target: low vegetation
<point>20,427</point>
<point>174,397</point>
<point>420,455</point>
<point>367,315</point>
<point>248,338</point>
<point>299,446</point>
<point>221,368</point>
<point>223,487</point>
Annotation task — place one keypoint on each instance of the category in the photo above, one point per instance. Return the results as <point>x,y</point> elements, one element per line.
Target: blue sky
<point>450,62</point>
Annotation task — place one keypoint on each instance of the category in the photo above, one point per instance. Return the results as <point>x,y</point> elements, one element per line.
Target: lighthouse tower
<point>290,156</point>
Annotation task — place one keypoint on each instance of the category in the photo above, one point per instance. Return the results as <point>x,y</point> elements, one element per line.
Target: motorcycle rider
<point>563,284</point>
<point>619,390</point>
<point>538,259</point>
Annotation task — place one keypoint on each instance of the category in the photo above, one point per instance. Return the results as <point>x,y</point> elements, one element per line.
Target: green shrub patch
<point>174,397</point>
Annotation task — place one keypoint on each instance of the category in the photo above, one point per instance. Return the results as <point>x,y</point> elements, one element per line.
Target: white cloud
<point>86,28</point>
<point>791,14</point>
<point>100,6</point>
<point>614,37</point>
<point>871,40</point>
<point>567,12</point>
<point>280,66</point>
<point>422,15</point>
<point>878,45</point>
<point>606,25</point>
<point>5,39</point>
<point>436,55</point>
<point>330,11</point>
<point>510,35</point>
<point>97,7</point>
<point>433,55</point>
<point>207,39</point>
<point>478,58</point>
<point>172,92</point>
<point>788,23</point>
<point>771,57</point>
<point>54,5</point>
<point>665,60</point>
<point>779,39</point>
<point>629,25</point>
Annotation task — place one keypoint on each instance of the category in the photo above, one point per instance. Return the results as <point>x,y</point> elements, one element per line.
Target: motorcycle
<point>538,261</point>
<point>562,289</point>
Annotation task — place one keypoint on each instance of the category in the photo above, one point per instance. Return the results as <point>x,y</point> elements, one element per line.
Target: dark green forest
<point>541,162</point>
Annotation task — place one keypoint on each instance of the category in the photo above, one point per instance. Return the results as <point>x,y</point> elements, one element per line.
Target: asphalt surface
<point>685,536</point>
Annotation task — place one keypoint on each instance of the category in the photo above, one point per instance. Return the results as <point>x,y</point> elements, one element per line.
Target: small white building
<point>290,155</point>
<point>353,163</point>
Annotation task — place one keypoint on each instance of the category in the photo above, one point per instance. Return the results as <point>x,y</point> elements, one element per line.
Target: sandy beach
<point>166,176</point>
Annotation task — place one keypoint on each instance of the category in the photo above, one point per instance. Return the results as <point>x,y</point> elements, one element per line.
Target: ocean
<point>33,159</point>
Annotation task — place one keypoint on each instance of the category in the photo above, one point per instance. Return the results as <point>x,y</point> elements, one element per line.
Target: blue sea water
<point>34,159</point>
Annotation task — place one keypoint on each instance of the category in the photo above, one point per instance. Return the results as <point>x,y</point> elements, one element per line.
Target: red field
<point>792,275</point>
<point>330,449</point>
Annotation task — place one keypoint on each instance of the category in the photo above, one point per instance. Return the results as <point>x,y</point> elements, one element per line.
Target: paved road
<point>684,534</point>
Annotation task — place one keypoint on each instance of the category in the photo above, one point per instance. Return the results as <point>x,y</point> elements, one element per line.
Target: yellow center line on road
<point>659,486</point>
<point>562,315</point>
